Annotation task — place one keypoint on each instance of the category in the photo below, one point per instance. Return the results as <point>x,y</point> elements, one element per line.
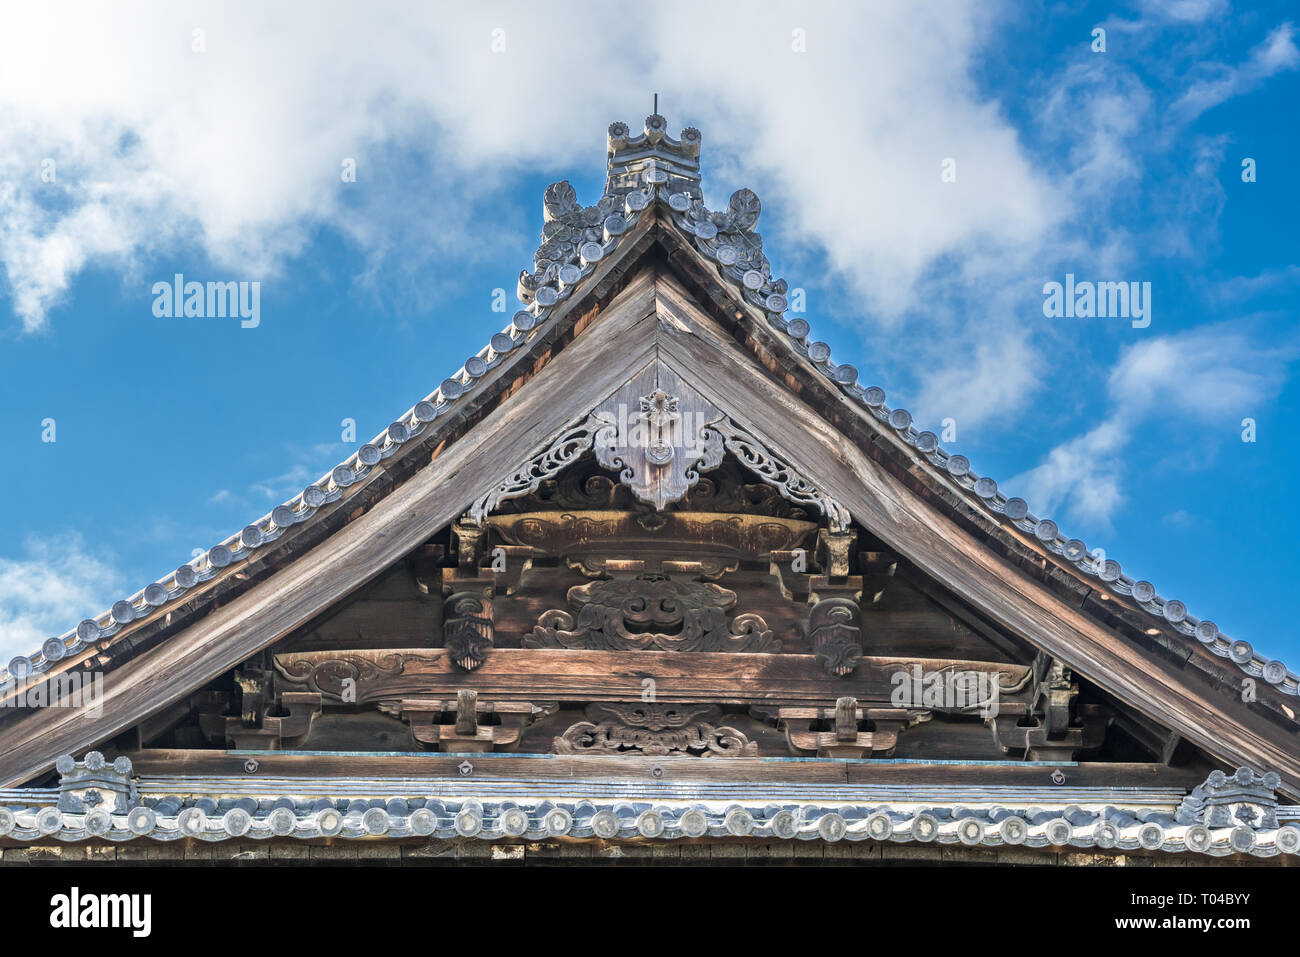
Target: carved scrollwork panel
<point>329,677</point>
<point>780,474</point>
<point>651,613</point>
<point>565,450</point>
<point>654,729</point>
<point>659,435</point>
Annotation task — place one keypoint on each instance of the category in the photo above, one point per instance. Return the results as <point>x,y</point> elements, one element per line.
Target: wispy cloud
<point>1243,289</point>
<point>1214,375</point>
<point>1276,54</point>
<point>227,145</point>
<point>234,150</point>
<point>53,583</point>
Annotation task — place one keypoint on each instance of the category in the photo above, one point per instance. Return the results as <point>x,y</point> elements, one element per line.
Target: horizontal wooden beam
<point>184,763</point>
<point>565,675</point>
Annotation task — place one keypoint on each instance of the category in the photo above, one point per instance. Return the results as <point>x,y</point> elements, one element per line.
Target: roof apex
<point>653,157</point>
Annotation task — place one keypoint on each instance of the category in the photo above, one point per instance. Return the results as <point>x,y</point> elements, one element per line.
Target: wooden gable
<point>660,527</point>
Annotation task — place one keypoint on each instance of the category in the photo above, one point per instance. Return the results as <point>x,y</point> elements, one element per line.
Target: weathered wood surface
<point>596,363</point>
<point>703,354</point>
<point>152,763</point>
<point>570,675</point>
<point>499,382</point>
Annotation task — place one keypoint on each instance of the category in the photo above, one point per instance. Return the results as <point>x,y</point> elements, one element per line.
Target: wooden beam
<point>167,763</point>
<point>522,674</point>
<point>657,318</point>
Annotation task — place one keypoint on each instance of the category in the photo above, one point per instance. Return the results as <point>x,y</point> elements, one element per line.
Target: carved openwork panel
<point>651,613</point>
<point>587,486</point>
<point>654,729</point>
<point>658,435</point>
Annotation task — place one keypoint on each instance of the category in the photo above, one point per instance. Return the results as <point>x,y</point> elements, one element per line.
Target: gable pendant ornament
<point>645,450</point>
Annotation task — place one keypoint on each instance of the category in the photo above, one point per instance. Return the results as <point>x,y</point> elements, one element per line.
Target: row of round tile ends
<point>550,821</point>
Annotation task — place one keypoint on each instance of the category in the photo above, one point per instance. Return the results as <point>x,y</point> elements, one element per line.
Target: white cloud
<point>233,154</point>
<point>1242,289</point>
<point>1210,373</point>
<point>1082,474</point>
<point>1186,11</point>
<point>1213,375</point>
<point>998,375</point>
<point>1276,54</point>
<point>238,149</point>
<point>56,582</point>
<point>1159,12</point>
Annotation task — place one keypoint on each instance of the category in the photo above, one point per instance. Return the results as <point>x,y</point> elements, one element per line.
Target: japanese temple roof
<point>651,175</point>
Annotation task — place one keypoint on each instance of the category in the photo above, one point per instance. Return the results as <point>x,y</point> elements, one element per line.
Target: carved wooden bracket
<point>834,631</point>
<point>1056,728</point>
<point>845,740</point>
<point>833,550</point>
<point>494,572</point>
<point>255,730</point>
<point>467,629</point>
<point>468,548</point>
<point>455,725</point>
<point>800,583</point>
<point>1034,743</point>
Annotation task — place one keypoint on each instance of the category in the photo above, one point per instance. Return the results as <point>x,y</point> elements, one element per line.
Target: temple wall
<point>425,852</point>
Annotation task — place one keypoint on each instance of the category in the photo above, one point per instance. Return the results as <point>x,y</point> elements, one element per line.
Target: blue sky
<point>217,154</point>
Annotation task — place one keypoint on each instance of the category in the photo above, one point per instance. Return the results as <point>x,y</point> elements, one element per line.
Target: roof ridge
<point>575,239</point>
